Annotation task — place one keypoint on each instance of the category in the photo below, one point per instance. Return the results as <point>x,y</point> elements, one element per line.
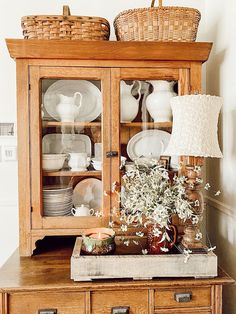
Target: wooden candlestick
<point>191,239</point>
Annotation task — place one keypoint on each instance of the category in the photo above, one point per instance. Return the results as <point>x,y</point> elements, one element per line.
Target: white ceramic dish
<point>88,191</point>
<point>148,143</point>
<point>66,143</point>
<point>97,164</point>
<point>91,102</point>
<point>53,162</point>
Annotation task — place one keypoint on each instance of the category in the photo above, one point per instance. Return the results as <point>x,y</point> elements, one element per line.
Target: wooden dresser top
<point>50,270</point>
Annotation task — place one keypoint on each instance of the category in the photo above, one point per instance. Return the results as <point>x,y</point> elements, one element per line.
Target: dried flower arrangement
<point>149,197</point>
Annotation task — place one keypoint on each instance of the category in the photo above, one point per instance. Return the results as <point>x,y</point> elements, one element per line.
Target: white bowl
<point>53,162</point>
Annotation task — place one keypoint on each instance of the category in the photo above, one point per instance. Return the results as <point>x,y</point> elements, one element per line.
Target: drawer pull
<point>48,311</point>
<point>183,297</point>
<point>120,310</point>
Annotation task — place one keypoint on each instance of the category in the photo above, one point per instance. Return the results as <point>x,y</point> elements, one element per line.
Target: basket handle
<point>66,10</point>
<point>153,3</point>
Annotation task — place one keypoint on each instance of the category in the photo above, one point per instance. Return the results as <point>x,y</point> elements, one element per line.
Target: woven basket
<point>158,24</point>
<point>65,27</point>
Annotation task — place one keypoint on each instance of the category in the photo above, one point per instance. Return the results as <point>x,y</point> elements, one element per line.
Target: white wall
<point>221,69</point>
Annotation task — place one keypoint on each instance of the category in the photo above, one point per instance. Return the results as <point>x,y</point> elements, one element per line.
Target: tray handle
<point>66,10</point>
<point>153,3</point>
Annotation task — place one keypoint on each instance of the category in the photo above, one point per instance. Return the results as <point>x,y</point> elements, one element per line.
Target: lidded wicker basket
<point>65,26</point>
<point>158,24</point>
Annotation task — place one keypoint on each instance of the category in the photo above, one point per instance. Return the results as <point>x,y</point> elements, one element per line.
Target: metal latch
<point>111,154</point>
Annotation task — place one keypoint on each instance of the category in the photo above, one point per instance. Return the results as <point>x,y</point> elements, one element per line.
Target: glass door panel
<point>145,120</point>
<point>145,126</point>
<point>72,148</point>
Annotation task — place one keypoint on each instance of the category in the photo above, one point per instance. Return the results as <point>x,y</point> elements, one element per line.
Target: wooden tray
<point>140,267</point>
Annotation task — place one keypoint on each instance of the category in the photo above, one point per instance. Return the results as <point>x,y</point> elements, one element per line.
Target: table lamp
<point>194,137</point>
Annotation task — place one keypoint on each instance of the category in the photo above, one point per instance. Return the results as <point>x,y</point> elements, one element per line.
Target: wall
<point>221,69</point>
<point>10,28</point>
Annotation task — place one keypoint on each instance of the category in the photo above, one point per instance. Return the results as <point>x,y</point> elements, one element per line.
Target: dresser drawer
<point>109,302</point>
<point>183,298</point>
<point>30,303</point>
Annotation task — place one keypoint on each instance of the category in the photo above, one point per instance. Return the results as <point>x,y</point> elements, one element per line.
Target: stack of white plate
<point>57,200</point>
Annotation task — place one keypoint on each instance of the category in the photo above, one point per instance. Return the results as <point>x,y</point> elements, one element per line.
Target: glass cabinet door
<point>72,172</point>
<point>145,121</point>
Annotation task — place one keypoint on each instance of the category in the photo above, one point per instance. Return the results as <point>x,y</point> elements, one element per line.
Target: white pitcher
<point>67,108</point>
<point>158,103</point>
<point>128,104</point>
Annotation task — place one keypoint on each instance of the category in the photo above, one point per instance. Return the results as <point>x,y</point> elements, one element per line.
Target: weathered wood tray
<point>140,267</point>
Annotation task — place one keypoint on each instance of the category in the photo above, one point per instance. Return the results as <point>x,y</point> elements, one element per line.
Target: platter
<point>148,143</point>
<point>88,191</point>
<point>91,102</point>
<point>66,143</point>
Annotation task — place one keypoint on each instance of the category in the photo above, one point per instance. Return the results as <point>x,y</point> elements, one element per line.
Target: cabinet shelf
<point>67,173</point>
<point>49,124</point>
<point>154,125</point>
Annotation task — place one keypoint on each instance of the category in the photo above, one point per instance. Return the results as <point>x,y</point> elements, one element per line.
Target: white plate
<point>88,191</point>
<point>91,101</point>
<point>66,143</point>
<point>148,143</point>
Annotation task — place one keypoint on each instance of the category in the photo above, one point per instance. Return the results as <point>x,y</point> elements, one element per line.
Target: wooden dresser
<point>30,285</point>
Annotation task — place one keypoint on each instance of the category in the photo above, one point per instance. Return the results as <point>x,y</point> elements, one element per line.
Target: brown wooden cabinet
<point>41,63</point>
<point>41,284</point>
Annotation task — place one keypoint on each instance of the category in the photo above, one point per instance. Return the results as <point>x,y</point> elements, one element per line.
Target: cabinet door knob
<point>183,297</point>
<point>111,154</point>
<point>47,311</point>
<point>120,310</point>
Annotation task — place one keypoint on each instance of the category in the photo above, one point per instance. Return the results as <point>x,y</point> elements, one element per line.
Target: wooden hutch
<point>41,284</point>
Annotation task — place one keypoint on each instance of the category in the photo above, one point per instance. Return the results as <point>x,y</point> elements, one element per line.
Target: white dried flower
<point>217,193</point>
<point>198,236</point>
<point>186,253</point>
<point>111,224</point>
<point>140,234</point>
<point>156,232</point>
<point>144,252</point>
<point>135,242</point>
<point>195,220</point>
<point>197,203</point>
<point>198,180</point>
<point>197,169</point>
<point>127,242</point>
<point>123,228</point>
<point>98,213</point>
<point>207,186</point>
<point>211,249</point>
<point>164,249</point>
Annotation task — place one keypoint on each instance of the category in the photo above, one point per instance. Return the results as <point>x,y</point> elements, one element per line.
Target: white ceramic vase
<point>158,103</point>
<point>128,104</point>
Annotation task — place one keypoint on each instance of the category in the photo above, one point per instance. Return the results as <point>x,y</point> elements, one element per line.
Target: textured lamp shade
<point>195,119</point>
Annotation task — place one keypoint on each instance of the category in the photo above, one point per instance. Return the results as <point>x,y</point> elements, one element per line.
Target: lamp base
<point>200,250</point>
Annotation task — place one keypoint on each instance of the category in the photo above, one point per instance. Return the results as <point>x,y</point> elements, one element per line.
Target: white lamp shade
<point>194,133</point>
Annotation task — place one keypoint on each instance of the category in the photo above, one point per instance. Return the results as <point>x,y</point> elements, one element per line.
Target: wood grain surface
<point>107,50</point>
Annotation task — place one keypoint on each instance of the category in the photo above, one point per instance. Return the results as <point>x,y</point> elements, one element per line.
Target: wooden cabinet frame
<point>109,62</point>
